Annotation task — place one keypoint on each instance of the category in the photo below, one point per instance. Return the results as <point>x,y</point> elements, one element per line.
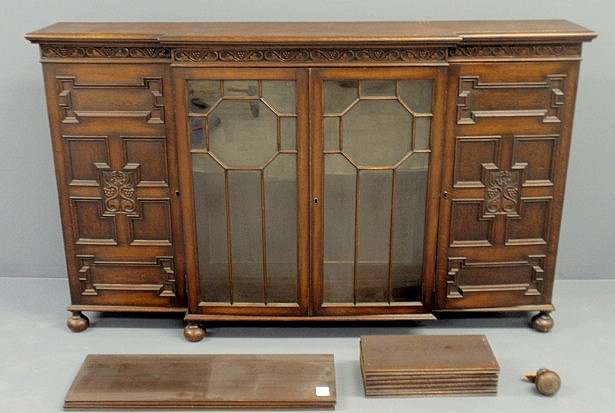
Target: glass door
<point>248,194</point>
<point>374,193</point>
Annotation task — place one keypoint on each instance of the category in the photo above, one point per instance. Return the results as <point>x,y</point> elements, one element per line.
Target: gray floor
<point>40,357</point>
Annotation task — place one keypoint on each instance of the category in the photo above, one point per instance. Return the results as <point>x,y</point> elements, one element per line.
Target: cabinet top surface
<point>449,32</point>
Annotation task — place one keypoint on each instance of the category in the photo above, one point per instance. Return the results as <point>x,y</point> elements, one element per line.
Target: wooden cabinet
<point>311,171</point>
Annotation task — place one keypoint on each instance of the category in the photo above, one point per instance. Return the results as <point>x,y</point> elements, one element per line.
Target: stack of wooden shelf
<point>444,365</point>
<point>170,382</point>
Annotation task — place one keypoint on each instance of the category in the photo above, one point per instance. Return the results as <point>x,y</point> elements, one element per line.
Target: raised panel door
<point>507,140</point>
<point>117,181</point>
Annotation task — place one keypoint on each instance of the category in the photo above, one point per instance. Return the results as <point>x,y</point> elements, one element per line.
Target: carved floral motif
<point>307,55</point>
<point>538,50</point>
<point>106,52</point>
<point>119,191</point>
<point>502,192</point>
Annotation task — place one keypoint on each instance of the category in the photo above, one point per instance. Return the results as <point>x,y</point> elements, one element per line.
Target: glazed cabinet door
<point>375,139</point>
<point>112,133</point>
<point>507,151</point>
<point>244,159</point>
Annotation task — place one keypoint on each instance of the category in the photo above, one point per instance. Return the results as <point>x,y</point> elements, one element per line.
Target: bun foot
<point>78,322</point>
<point>547,381</point>
<point>193,332</point>
<point>542,322</point>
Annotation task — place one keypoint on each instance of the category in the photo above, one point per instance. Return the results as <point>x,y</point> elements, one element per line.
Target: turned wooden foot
<point>542,322</point>
<point>78,322</point>
<point>193,332</point>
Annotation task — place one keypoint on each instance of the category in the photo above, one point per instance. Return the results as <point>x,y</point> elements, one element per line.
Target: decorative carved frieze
<point>309,55</point>
<point>516,51</point>
<point>104,52</point>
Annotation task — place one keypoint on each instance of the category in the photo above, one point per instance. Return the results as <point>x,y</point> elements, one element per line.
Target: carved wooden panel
<point>502,192</point>
<point>153,225</point>
<point>139,280</point>
<point>505,171</point>
<point>468,281</point>
<point>91,226</point>
<point>507,144</point>
<point>118,188</point>
<point>471,156</point>
<point>142,99</point>
<point>481,99</point>
<point>116,175</point>
<point>538,154</point>
<point>532,226</point>
<point>150,155</point>
<point>83,154</point>
<point>469,227</point>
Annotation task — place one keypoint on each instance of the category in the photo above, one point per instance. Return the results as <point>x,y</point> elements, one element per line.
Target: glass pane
<point>422,134</point>
<point>375,188</point>
<point>288,134</point>
<point>211,218</point>
<point>281,229</point>
<point>339,229</point>
<point>339,95</point>
<point>332,134</point>
<point>202,96</point>
<point>281,95</point>
<point>409,228</point>
<point>377,132</point>
<point>246,235</point>
<point>241,88</point>
<point>378,88</point>
<point>243,140</point>
<point>417,94</point>
<point>245,190</point>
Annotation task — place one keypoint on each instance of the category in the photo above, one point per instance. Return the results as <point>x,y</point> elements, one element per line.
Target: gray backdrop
<point>30,235</point>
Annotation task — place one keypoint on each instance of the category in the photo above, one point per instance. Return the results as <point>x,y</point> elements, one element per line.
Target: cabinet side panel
<point>507,139</point>
<point>115,166</point>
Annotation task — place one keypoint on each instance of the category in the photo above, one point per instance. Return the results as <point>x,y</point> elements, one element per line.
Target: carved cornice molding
<point>309,55</point>
<point>104,52</point>
<point>515,51</point>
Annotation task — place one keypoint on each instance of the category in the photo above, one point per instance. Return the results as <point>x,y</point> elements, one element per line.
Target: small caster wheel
<point>193,332</point>
<point>542,322</point>
<point>547,381</point>
<point>78,322</point>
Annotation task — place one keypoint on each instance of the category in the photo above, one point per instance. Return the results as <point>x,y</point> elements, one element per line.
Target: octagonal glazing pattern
<point>376,132</point>
<point>244,162</point>
<point>376,141</point>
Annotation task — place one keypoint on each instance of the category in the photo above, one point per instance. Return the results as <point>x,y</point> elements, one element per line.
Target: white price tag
<point>323,391</point>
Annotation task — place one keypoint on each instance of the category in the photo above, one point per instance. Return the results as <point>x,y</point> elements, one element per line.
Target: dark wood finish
<point>442,365</point>
<point>196,382</point>
<point>499,120</point>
